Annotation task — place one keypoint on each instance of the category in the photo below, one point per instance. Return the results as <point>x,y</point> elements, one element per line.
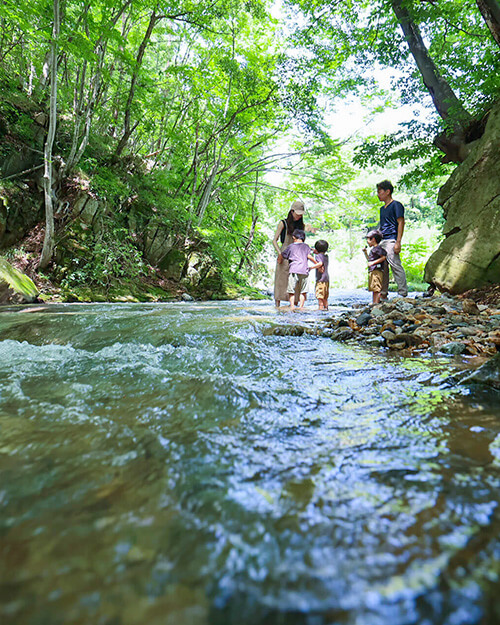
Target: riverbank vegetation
<point>140,142</point>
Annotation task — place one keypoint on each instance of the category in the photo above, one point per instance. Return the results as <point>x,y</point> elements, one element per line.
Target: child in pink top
<point>298,254</point>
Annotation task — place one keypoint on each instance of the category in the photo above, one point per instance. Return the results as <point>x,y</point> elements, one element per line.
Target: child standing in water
<point>297,254</point>
<point>322,277</point>
<point>376,260</point>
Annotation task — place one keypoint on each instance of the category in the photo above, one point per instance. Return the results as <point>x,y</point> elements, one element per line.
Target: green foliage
<point>415,256</point>
<point>103,259</point>
<point>172,111</point>
<point>17,281</point>
<point>16,118</point>
<point>421,208</point>
<point>344,45</point>
<point>348,264</point>
<point>108,185</point>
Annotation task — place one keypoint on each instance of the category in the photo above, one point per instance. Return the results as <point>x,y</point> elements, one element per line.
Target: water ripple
<point>171,463</point>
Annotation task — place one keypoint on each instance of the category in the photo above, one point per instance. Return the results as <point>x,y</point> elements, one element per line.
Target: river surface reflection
<point>172,464</point>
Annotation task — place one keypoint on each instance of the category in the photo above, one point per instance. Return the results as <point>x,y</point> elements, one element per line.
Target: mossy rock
<point>15,287</point>
<point>173,263</point>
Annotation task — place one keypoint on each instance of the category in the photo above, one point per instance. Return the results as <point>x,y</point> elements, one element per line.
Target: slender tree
<point>127,127</point>
<point>48,242</point>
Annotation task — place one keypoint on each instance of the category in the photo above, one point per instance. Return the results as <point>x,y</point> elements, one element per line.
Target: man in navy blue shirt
<point>392,225</point>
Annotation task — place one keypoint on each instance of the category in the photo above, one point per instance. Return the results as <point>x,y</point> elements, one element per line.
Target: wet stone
<point>470,307</point>
<point>376,340</point>
<point>363,319</point>
<point>438,325</point>
<point>327,332</point>
<point>439,338</point>
<point>440,310</point>
<point>488,374</point>
<point>469,331</point>
<point>288,330</point>
<point>398,345</point>
<point>410,328</point>
<point>291,331</point>
<point>343,335</point>
<point>404,306</point>
<point>453,348</point>
<point>396,316</point>
<point>411,340</point>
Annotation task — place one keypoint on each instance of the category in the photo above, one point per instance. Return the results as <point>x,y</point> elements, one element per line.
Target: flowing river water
<point>171,464</point>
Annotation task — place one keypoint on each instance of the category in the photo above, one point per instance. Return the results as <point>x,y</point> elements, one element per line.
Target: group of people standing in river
<point>294,256</point>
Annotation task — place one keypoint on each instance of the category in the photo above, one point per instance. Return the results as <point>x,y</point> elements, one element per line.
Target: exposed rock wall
<point>21,208</point>
<point>21,172</point>
<point>469,256</point>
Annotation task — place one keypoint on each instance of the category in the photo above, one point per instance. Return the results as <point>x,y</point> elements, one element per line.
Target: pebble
<point>404,306</point>
<point>363,319</point>
<point>444,324</point>
<point>343,335</point>
<point>453,348</point>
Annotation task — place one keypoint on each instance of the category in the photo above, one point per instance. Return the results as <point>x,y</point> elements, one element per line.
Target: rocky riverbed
<point>444,324</point>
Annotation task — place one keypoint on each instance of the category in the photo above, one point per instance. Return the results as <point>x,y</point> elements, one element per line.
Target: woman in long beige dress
<point>293,221</point>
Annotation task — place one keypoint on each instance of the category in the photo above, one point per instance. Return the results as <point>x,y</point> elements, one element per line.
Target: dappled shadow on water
<point>171,464</point>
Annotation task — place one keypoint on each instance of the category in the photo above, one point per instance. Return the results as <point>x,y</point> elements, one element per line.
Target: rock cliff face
<point>469,256</point>
<point>21,208</point>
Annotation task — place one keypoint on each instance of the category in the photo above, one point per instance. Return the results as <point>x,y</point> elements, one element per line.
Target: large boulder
<point>15,287</point>
<point>86,207</point>
<point>158,242</point>
<point>487,375</point>
<point>469,256</point>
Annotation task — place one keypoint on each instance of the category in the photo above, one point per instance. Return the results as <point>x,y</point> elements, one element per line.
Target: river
<point>171,464</point>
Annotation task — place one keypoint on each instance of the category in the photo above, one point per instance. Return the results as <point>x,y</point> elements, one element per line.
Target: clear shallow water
<point>170,464</point>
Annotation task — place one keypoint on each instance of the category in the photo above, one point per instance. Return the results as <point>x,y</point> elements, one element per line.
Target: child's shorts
<point>322,290</point>
<point>375,280</point>
<point>297,283</point>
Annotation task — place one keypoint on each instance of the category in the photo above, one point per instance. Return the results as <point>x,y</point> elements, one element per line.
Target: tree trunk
<point>252,229</point>
<point>446,102</point>
<point>207,191</point>
<point>490,10</point>
<point>48,242</point>
<point>449,107</point>
<point>127,128</point>
<point>352,242</point>
<point>86,114</point>
<point>39,90</point>
<point>78,98</point>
